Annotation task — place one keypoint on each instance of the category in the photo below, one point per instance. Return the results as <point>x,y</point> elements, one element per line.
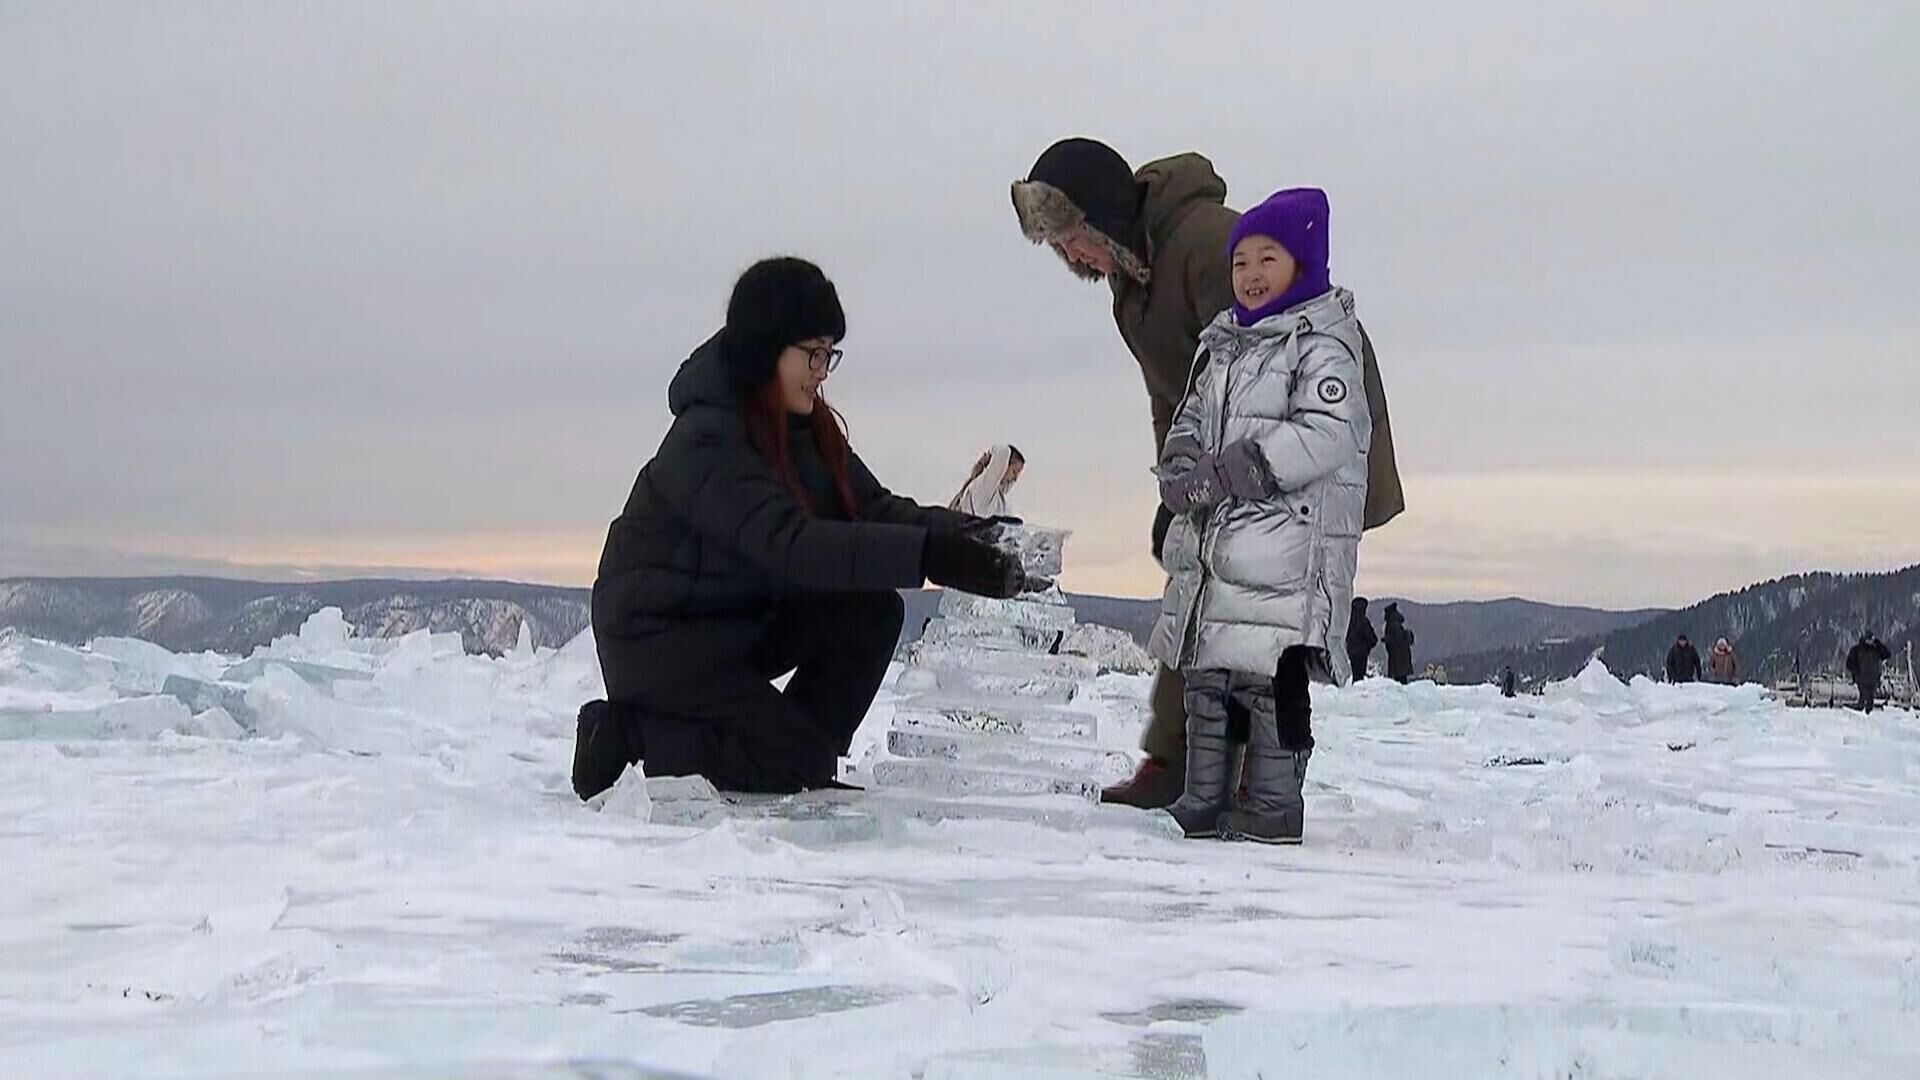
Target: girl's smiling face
<point>1262,271</point>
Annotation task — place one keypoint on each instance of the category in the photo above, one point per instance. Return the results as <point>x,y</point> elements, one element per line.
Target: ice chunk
<point>1597,689</point>
<point>684,800</point>
<point>46,666</point>
<point>215,723</point>
<point>1001,662</point>
<point>143,666</point>
<point>960,682</point>
<point>1043,754</point>
<point>954,779</point>
<point>627,798</point>
<point>985,635</point>
<point>202,696</point>
<point>990,719</point>
<point>132,718</point>
<point>956,606</point>
<point>325,631</point>
<point>1040,549</point>
<point>1108,648</point>
<point>319,675</point>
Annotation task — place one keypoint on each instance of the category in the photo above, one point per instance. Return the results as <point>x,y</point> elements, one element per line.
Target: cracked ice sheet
<point>399,877</point>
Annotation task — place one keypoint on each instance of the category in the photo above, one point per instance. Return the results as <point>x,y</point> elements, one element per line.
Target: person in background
<point>985,492</point>
<point>1723,666</point>
<point>1399,641</point>
<point>1509,683</point>
<point>1360,638</point>
<point>1157,237</point>
<point>1683,661</point>
<point>756,542</point>
<point>1864,663</point>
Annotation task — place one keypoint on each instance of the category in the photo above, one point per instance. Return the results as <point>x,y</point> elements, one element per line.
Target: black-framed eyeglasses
<point>822,360</point>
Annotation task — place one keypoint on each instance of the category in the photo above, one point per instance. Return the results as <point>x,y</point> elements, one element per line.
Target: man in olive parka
<point>1158,237</point>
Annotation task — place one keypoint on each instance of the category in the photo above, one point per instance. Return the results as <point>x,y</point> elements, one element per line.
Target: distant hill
<point>1441,631</point>
<point>1809,620</point>
<point>191,614</point>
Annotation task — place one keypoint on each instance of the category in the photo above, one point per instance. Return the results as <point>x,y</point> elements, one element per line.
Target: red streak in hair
<point>766,416</point>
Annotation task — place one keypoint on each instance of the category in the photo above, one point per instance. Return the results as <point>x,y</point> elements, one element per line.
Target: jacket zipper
<point>1209,533</point>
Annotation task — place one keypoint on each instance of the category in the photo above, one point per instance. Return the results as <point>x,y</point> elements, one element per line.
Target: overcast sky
<point>332,287</point>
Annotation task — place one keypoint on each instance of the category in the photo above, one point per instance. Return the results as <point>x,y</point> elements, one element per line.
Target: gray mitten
<point>1199,488</point>
<point>1178,449</point>
<point>1243,469</point>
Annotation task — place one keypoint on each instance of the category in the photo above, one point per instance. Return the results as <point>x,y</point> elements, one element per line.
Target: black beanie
<point>1097,179</point>
<point>776,303</point>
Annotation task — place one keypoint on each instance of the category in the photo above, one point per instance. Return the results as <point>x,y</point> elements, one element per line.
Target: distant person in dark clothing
<point>1360,638</point>
<point>1509,683</point>
<point>1399,641</point>
<point>1723,666</point>
<point>756,543</point>
<point>1683,661</point>
<point>1864,662</point>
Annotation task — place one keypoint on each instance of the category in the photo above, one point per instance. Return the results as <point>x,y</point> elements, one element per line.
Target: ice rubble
<point>993,704</point>
<point>340,853</point>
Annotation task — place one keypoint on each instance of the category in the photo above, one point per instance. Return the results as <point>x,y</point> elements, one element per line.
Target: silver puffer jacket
<point>1251,578</point>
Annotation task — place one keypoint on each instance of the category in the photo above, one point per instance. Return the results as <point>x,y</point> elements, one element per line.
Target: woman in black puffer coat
<point>756,542</point>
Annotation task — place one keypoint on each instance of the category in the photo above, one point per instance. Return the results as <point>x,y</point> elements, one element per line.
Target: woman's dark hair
<point>766,417</point>
<point>1018,457</point>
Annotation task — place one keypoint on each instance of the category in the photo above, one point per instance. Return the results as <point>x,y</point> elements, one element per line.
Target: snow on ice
<point>363,857</point>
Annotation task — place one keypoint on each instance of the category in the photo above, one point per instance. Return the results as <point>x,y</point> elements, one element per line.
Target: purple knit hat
<point>1297,219</point>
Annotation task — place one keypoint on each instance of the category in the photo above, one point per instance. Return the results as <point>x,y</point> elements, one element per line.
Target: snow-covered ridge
<point>192,614</point>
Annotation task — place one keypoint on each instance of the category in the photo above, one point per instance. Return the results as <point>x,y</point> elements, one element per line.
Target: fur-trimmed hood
<point>1169,188</point>
<point>1046,213</point>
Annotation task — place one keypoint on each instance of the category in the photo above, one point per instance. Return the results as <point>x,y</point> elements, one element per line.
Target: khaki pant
<point>1166,736</point>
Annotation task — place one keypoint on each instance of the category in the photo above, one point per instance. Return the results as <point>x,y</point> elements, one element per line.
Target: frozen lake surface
<point>363,858</point>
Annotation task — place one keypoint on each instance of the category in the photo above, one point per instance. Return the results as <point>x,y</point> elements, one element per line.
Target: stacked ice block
<point>991,709</point>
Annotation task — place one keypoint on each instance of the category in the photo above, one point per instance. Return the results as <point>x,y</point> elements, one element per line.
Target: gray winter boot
<point>1275,812</point>
<point>1213,763</point>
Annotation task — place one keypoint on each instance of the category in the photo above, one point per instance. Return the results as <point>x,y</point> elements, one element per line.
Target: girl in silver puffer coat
<point>1265,469</point>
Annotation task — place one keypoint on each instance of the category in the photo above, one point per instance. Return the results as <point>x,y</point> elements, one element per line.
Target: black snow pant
<point>1292,704</point>
<point>1357,660</point>
<point>728,723</point>
<point>1867,691</point>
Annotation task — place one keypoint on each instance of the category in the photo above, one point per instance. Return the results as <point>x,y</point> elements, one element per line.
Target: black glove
<point>1162,521</point>
<point>986,528</point>
<point>965,562</point>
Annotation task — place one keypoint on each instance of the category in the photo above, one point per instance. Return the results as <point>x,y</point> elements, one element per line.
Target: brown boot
<point>1154,786</point>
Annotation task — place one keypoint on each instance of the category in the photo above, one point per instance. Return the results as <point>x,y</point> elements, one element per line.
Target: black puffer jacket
<point>1361,638</point>
<point>711,537</point>
<point>1683,663</point>
<point>1865,660</point>
<point>1399,642</point>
